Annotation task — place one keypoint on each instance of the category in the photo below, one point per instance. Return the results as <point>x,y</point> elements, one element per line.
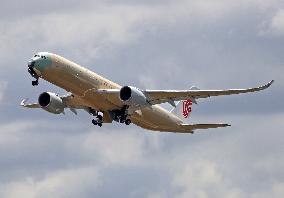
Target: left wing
<point>161,96</point>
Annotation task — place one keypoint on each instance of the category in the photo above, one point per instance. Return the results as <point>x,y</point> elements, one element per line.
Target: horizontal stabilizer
<point>191,127</point>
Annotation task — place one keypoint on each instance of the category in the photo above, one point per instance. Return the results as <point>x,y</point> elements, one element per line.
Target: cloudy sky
<point>149,44</point>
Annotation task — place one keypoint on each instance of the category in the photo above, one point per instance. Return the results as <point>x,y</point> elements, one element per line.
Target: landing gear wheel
<point>127,121</point>
<point>98,121</point>
<point>35,82</point>
<point>94,122</point>
<point>100,117</point>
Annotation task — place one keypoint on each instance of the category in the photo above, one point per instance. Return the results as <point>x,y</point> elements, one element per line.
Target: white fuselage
<point>83,83</point>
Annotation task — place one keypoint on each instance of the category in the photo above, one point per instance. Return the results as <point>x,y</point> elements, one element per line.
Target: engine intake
<point>132,96</point>
<point>51,102</point>
<point>125,93</point>
<point>44,99</point>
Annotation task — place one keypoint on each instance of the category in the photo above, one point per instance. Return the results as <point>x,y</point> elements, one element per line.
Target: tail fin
<point>183,109</point>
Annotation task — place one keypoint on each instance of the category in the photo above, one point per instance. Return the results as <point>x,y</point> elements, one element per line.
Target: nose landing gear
<point>119,115</point>
<point>33,74</point>
<point>35,82</point>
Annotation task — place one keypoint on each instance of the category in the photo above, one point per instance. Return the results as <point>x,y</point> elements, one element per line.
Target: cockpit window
<point>41,56</point>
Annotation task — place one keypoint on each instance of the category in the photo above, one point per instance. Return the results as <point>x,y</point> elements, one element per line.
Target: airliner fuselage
<point>84,83</point>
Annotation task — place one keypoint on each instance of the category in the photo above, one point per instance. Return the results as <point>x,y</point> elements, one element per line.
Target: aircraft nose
<point>31,63</point>
<point>31,66</point>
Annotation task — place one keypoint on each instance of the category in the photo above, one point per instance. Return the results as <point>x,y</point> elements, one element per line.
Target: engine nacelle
<point>51,102</point>
<point>132,96</point>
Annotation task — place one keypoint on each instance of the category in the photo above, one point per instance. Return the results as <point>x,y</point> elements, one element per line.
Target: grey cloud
<point>3,86</point>
<point>243,162</point>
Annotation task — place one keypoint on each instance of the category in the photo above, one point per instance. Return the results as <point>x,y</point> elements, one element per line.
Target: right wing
<point>33,105</point>
<point>73,103</point>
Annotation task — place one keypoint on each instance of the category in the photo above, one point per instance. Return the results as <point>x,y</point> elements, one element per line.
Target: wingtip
<point>24,102</point>
<point>270,83</point>
<point>224,125</point>
<point>267,85</point>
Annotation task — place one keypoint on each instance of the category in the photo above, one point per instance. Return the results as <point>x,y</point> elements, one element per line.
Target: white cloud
<point>203,178</point>
<point>114,148</point>
<point>273,26</point>
<point>11,133</point>
<point>277,23</point>
<point>277,191</point>
<point>62,184</point>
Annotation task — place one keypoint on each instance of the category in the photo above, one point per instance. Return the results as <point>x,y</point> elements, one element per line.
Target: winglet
<point>23,103</point>
<point>267,85</point>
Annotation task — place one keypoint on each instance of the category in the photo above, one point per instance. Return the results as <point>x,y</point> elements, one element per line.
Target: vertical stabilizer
<point>183,109</point>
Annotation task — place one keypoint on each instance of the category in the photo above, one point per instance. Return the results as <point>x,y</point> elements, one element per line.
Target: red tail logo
<point>186,108</point>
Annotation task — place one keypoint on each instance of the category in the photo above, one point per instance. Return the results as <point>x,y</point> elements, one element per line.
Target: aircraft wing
<point>73,103</point>
<point>67,100</point>
<point>161,96</point>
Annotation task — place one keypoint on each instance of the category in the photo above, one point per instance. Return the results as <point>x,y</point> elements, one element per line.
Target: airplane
<point>108,101</point>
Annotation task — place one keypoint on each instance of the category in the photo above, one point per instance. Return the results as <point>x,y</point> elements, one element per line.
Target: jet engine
<point>51,102</point>
<point>132,96</point>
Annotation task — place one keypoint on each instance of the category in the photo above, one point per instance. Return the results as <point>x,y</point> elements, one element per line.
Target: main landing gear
<point>119,115</point>
<point>33,73</point>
